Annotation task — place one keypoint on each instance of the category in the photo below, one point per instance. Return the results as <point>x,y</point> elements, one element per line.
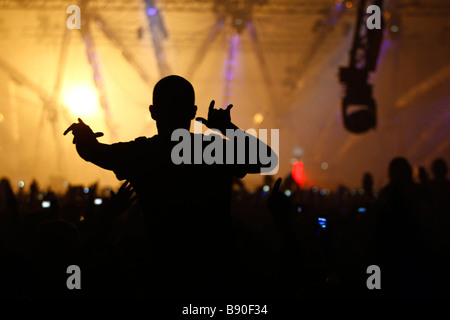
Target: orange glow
<point>258,118</point>
<point>297,172</point>
<point>349,4</point>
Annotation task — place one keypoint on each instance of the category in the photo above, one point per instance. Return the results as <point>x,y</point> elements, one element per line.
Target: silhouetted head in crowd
<point>56,240</point>
<point>367,182</point>
<point>173,104</point>
<point>423,175</point>
<point>439,169</point>
<point>7,197</point>
<point>5,187</point>
<point>400,171</point>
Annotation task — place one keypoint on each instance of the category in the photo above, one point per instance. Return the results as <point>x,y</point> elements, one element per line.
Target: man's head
<point>400,170</point>
<point>173,104</point>
<point>439,169</point>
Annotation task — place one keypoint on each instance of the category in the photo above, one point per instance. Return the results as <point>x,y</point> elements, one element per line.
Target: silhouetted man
<point>401,234</point>
<point>440,207</point>
<point>186,206</point>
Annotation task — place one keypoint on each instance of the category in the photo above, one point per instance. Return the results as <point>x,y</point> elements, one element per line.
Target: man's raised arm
<point>85,140</point>
<point>243,148</point>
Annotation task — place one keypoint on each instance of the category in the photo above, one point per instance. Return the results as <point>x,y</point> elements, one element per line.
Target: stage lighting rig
<point>239,11</point>
<point>358,105</point>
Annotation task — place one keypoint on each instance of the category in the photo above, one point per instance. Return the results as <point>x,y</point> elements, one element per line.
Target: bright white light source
<point>288,193</point>
<point>266,188</point>
<point>21,184</point>
<point>82,100</point>
<point>45,204</point>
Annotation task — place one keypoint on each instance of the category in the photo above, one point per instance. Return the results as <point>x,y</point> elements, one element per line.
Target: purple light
<point>384,47</point>
<point>338,5</point>
<point>229,65</point>
<point>152,11</point>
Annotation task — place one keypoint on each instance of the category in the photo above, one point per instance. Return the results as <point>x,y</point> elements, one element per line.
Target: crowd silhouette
<point>196,232</point>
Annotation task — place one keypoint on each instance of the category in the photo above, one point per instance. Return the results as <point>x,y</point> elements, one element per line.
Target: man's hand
<point>82,132</point>
<point>279,204</point>
<point>217,118</point>
<point>122,200</point>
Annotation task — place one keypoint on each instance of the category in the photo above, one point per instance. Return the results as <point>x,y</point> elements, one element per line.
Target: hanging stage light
<point>358,105</point>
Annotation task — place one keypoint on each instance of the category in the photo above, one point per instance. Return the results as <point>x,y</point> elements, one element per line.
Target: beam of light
<point>230,66</point>
<point>81,100</point>
<point>384,47</point>
<point>158,34</point>
<point>423,87</point>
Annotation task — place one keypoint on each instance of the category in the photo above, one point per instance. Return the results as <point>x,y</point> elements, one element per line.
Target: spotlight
<point>239,21</point>
<point>82,100</point>
<point>358,106</point>
<point>152,12</point>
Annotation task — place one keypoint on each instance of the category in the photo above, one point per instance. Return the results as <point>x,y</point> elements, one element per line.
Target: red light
<point>297,172</point>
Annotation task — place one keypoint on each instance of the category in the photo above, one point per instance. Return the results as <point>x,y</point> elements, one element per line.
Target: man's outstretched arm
<point>266,158</point>
<point>85,140</point>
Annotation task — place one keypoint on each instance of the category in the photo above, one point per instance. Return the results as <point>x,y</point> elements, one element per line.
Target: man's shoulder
<point>145,139</point>
<point>139,140</point>
<point>130,147</point>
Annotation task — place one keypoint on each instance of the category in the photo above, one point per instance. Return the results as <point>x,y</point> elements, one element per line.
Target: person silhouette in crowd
<point>440,188</point>
<point>440,209</point>
<point>368,185</point>
<point>403,255</point>
<point>186,205</point>
<point>291,274</point>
